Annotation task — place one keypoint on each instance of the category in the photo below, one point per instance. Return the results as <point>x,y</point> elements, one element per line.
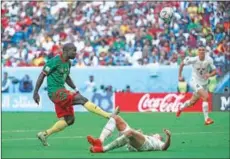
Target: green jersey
<point>56,70</point>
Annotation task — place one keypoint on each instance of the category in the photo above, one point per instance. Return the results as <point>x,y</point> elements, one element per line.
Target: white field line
<point>80,137</point>
<point>18,131</point>
<point>34,138</point>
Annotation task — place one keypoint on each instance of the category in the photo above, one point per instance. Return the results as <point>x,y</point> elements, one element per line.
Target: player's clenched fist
<point>36,98</point>
<point>167,132</point>
<point>180,78</point>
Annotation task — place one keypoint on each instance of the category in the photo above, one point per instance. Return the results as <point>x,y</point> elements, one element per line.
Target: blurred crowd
<point>113,33</point>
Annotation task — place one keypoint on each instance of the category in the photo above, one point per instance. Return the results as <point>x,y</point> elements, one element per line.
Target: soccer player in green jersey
<point>57,72</point>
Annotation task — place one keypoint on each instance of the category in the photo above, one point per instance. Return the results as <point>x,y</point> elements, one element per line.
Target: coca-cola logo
<point>168,103</point>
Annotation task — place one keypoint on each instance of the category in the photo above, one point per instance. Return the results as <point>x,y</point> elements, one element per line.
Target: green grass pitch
<point>190,138</point>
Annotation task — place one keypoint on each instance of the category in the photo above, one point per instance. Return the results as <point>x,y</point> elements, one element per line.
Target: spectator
<point>108,96</point>
<point>103,49</point>
<point>218,36</point>
<point>81,62</point>
<point>147,49</point>
<point>98,95</point>
<point>110,33</point>
<point>180,40</point>
<point>130,48</point>
<point>128,89</point>
<point>90,84</point>
<point>180,57</point>
<point>93,60</point>
<point>145,61</point>
<point>119,44</point>
<point>5,83</point>
<point>173,60</point>
<point>26,85</point>
<point>101,90</point>
<point>137,55</point>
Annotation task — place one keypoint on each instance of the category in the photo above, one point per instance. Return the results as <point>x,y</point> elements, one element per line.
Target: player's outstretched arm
<point>180,71</point>
<point>167,141</point>
<point>37,87</point>
<point>213,73</point>
<point>69,81</point>
<point>187,61</point>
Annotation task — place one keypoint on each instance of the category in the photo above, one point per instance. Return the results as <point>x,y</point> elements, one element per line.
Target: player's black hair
<point>68,46</point>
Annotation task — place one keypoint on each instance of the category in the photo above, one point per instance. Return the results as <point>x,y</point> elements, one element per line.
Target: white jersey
<point>200,68</point>
<point>151,144</point>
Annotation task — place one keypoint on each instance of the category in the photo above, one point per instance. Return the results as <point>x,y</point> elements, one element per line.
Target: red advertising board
<point>156,102</point>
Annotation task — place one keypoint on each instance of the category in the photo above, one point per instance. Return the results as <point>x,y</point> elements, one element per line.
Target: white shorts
<point>145,147</point>
<point>150,144</point>
<point>196,87</point>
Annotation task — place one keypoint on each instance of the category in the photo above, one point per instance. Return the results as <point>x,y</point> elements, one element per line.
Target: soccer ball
<point>166,14</point>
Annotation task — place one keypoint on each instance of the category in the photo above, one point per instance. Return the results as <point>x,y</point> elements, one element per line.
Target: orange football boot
<point>209,121</point>
<point>96,149</point>
<point>93,141</point>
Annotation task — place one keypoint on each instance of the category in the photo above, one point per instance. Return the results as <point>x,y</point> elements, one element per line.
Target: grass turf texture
<point>190,138</point>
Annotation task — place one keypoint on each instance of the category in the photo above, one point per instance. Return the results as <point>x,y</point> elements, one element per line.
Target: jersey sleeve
<point>50,66</point>
<point>189,60</point>
<point>211,63</point>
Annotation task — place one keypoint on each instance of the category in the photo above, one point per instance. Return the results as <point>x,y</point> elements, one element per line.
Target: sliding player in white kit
<point>199,82</point>
<point>134,140</point>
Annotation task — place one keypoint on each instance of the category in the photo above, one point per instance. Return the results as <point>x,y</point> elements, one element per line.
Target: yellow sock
<point>95,109</point>
<point>58,126</point>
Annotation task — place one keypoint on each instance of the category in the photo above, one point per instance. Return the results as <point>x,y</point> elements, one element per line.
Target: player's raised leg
<point>107,130</point>
<point>128,136</point>
<point>133,137</point>
<point>79,99</point>
<point>64,100</point>
<point>105,133</point>
<point>188,103</point>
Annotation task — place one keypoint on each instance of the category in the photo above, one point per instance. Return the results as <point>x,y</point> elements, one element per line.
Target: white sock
<point>118,142</point>
<point>108,129</point>
<point>205,110</point>
<point>186,104</point>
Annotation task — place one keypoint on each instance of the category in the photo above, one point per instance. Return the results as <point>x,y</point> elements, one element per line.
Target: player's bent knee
<point>192,103</point>
<point>69,119</point>
<point>79,99</point>
<point>193,100</point>
<point>129,133</point>
<point>117,118</point>
<point>127,129</point>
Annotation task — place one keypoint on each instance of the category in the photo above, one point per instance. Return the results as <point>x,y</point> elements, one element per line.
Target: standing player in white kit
<point>134,140</point>
<point>201,66</point>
